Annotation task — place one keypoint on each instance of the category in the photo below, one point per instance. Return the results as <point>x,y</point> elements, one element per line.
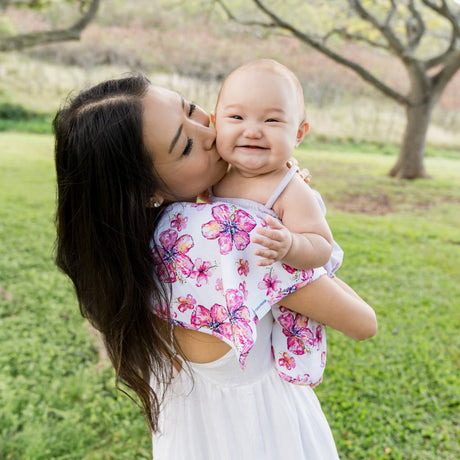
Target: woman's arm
<point>334,303</point>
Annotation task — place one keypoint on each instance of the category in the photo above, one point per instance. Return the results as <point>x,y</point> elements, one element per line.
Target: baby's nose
<point>252,131</point>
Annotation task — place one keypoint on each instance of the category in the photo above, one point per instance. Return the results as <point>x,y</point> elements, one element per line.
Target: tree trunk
<point>410,161</point>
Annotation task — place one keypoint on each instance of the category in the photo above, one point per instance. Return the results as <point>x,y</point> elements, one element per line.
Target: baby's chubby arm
<point>303,240</point>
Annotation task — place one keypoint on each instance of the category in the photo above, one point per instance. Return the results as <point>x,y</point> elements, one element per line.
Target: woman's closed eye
<point>191,109</point>
<point>188,147</point>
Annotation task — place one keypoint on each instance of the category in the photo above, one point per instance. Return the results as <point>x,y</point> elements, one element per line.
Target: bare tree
<point>87,8</point>
<point>397,27</point>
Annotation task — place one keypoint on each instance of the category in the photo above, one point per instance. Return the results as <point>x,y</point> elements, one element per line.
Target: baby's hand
<point>276,240</point>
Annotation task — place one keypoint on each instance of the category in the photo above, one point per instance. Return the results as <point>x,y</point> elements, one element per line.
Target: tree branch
<point>354,37</point>
<point>445,11</point>
<point>441,79</point>
<point>232,17</point>
<point>384,29</point>
<point>419,28</point>
<point>390,13</point>
<point>361,71</point>
<point>19,42</point>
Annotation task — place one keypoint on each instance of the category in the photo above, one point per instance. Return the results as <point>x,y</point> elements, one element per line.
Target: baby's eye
<point>236,117</point>
<point>271,120</point>
<point>191,109</point>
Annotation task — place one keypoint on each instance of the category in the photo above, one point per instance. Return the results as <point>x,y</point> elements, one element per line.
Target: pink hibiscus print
<point>216,319</point>
<point>323,359</point>
<point>243,290</point>
<point>288,268</point>
<point>179,222</point>
<point>269,283</point>
<point>186,303</point>
<point>202,272</point>
<point>229,228</point>
<point>240,319</point>
<point>318,336</point>
<point>299,337</point>
<point>287,361</point>
<point>172,258</point>
<point>243,267</point>
<point>163,311</point>
<point>299,380</point>
<point>219,284</point>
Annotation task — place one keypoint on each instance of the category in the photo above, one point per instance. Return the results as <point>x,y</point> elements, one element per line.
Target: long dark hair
<point>105,181</point>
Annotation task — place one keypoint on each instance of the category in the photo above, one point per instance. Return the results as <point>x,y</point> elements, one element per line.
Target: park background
<point>395,396</point>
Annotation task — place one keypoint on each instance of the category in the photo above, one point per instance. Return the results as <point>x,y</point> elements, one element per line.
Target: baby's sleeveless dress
<point>235,408</point>
<point>298,342</point>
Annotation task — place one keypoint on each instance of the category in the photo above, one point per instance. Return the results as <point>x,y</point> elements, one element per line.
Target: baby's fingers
<point>273,223</point>
<point>268,257</point>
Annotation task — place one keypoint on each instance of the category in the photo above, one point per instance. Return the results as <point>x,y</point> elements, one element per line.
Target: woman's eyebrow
<point>176,137</point>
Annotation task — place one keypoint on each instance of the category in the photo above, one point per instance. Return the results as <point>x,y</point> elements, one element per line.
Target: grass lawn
<point>395,396</point>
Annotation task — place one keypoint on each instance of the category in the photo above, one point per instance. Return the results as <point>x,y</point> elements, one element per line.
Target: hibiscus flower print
<point>215,319</point>
<point>243,290</point>
<point>300,338</point>
<point>269,284</point>
<point>286,361</point>
<point>229,228</point>
<point>240,319</point>
<point>299,380</point>
<point>163,311</point>
<point>179,222</point>
<point>202,272</point>
<point>219,284</point>
<point>171,259</point>
<point>243,267</point>
<point>186,303</point>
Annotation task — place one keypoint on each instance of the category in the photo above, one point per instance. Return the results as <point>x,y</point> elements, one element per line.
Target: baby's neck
<point>241,184</point>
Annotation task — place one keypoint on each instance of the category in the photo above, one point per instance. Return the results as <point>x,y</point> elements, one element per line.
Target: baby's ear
<point>301,131</point>
<point>212,115</point>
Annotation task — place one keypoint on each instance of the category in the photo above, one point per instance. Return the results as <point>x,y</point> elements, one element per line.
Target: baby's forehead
<point>263,72</point>
<point>245,76</point>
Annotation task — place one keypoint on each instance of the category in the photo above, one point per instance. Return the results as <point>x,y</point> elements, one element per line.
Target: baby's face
<point>257,121</point>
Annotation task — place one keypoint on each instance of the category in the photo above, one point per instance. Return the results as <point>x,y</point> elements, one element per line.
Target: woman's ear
<point>212,115</point>
<point>301,131</point>
<point>155,201</point>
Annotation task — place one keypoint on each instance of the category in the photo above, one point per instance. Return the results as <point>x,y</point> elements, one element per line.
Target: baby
<point>260,119</point>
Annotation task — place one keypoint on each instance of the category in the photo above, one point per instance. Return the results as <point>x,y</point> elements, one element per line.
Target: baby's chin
<point>254,168</point>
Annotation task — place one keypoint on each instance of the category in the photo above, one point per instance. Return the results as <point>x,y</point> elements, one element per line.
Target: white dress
<point>230,413</point>
<point>236,408</point>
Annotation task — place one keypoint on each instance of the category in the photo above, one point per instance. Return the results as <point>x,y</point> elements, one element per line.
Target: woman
<point>125,150</point>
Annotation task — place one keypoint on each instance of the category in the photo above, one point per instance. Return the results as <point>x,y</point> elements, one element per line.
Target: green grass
<point>395,396</point>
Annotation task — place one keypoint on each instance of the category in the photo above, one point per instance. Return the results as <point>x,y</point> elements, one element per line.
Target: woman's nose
<point>202,117</point>
<point>209,137</point>
<point>208,134</point>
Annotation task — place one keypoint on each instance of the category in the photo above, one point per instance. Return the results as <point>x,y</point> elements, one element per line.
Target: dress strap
<point>282,185</point>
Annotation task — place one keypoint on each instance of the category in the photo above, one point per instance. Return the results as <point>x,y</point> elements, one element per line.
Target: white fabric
<point>230,413</point>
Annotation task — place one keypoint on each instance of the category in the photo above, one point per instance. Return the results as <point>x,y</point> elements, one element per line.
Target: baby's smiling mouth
<point>252,147</point>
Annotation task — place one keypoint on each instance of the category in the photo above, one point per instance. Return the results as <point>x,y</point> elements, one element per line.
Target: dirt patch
<point>377,205</point>
<point>5,295</point>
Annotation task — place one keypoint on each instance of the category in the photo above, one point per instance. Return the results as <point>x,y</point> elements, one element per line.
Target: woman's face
<point>178,135</point>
